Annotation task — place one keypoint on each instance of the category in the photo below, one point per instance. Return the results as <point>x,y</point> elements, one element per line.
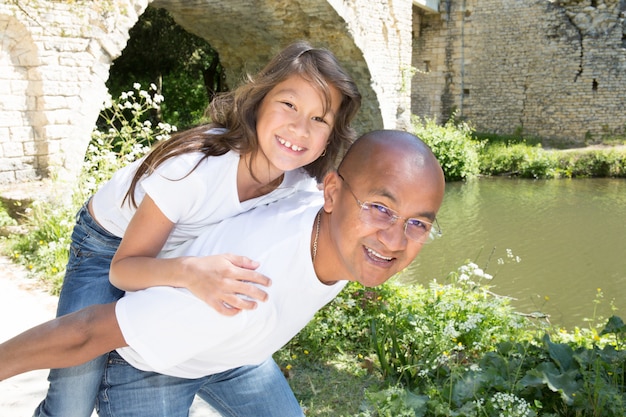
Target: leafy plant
<point>427,331</point>
<point>453,145</point>
<point>5,217</point>
<point>525,161</point>
<point>518,159</point>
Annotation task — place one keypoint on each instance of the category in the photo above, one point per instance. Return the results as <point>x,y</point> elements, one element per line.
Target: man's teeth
<point>289,145</point>
<point>375,254</point>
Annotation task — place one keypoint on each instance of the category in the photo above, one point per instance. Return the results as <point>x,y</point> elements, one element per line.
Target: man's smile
<point>377,257</point>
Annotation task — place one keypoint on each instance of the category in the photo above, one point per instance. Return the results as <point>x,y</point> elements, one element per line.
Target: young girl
<point>295,113</point>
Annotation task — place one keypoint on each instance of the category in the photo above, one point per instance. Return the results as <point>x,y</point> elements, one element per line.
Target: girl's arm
<point>215,279</point>
<point>66,341</point>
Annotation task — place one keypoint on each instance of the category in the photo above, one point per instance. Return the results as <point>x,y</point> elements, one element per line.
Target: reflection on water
<point>569,234</point>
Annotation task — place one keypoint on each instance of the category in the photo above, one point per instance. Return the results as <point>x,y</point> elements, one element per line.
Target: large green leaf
<point>565,383</point>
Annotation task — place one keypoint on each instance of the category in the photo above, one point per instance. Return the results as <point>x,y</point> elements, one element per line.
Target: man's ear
<point>330,190</point>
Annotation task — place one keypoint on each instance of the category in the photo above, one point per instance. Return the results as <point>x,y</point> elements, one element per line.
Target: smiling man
<point>377,211</point>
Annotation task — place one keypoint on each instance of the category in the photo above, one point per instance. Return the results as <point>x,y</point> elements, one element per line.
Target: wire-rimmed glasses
<point>382,217</point>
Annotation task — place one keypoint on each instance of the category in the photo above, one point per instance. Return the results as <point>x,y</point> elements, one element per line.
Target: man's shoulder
<point>298,202</point>
<point>262,227</point>
<point>295,212</point>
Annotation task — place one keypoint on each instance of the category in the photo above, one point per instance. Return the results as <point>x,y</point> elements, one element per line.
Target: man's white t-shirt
<point>190,200</point>
<point>172,332</point>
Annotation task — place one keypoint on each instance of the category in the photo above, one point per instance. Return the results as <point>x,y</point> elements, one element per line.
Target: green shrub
<point>343,325</point>
<point>5,217</point>
<point>45,249</point>
<point>453,146</point>
<point>186,99</point>
<point>524,161</point>
<point>427,329</point>
<point>518,159</point>
<point>596,163</point>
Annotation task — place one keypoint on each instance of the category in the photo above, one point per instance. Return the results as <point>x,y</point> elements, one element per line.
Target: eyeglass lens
<point>383,217</point>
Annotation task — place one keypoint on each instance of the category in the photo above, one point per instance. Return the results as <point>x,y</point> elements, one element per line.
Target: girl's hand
<point>226,282</point>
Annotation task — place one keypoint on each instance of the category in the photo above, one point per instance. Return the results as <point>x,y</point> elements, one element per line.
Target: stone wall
<point>55,58</point>
<point>554,69</point>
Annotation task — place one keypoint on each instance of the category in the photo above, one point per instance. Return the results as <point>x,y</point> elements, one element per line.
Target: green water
<point>569,234</point>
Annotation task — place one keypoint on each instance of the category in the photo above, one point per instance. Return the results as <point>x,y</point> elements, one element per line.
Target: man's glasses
<point>382,217</point>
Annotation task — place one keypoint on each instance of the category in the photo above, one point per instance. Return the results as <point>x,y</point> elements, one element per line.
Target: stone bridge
<point>554,69</point>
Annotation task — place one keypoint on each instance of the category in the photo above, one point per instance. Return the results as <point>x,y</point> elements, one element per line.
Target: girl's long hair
<point>236,113</point>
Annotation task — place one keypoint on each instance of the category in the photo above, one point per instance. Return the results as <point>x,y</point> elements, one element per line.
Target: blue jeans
<point>249,391</point>
<point>73,391</point>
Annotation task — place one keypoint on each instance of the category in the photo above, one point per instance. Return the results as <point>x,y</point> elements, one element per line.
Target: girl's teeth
<point>288,144</point>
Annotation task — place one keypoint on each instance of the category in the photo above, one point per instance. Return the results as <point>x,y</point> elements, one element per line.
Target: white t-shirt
<point>174,333</point>
<point>191,201</point>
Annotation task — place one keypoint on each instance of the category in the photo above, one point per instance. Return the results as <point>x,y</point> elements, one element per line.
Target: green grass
<point>329,388</point>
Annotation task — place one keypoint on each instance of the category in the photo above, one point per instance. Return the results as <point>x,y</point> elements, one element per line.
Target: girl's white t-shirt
<point>189,199</point>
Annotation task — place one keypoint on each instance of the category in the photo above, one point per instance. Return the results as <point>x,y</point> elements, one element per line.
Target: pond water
<point>569,234</point>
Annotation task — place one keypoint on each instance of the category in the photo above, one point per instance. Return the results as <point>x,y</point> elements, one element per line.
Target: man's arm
<point>66,341</point>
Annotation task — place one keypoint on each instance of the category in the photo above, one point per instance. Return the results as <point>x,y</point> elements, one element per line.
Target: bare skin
<point>63,342</point>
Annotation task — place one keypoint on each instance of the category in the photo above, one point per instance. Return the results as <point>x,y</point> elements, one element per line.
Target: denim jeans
<point>73,391</point>
<point>248,391</point>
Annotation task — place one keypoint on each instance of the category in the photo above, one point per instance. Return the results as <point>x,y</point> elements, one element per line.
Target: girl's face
<point>292,128</point>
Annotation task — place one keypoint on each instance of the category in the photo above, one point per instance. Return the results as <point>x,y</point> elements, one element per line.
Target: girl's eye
<point>288,104</point>
<point>320,119</point>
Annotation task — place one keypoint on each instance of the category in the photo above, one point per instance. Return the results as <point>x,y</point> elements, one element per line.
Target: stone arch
<point>20,121</point>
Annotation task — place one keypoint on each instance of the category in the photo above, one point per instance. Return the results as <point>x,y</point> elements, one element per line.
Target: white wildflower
<point>511,405</point>
<point>471,323</point>
<point>450,331</point>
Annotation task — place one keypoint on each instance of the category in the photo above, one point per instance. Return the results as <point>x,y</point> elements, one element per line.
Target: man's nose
<point>393,237</point>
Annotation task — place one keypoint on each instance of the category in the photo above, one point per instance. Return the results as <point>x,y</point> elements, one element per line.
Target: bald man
<point>377,211</point>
